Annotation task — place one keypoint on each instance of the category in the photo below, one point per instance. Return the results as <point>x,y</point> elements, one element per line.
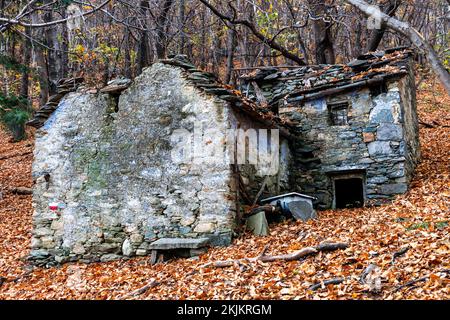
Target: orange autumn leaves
<point>419,220</point>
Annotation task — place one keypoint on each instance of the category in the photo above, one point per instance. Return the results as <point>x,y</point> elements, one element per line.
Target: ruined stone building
<point>357,126</point>
<point>107,184</point>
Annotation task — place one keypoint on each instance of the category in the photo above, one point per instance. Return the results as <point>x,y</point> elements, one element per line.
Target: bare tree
<point>322,32</point>
<point>389,8</point>
<point>413,35</point>
<point>272,43</point>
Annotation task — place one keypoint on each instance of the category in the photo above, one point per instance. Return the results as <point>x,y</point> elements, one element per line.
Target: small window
<point>338,113</point>
<point>378,89</point>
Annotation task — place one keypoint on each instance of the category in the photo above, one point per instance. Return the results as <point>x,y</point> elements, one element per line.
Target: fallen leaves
<point>418,220</point>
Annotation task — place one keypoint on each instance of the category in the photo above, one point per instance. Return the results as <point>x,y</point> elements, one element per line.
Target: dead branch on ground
<point>297,255</point>
<point>151,284</point>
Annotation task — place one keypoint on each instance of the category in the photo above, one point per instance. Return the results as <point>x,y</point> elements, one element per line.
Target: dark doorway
<point>349,193</point>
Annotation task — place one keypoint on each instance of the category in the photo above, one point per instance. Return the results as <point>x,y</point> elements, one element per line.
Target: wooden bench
<point>190,246</point>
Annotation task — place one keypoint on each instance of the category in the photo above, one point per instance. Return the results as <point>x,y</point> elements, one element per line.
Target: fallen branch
<point>323,284</point>
<point>261,189</point>
<point>22,190</point>
<point>422,279</point>
<point>9,156</point>
<point>427,125</point>
<point>399,253</point>
<point>269,209</point>
<point>151,284</point>
<point>331,246</point>
<point>297,255</point>
<point>432,125</point>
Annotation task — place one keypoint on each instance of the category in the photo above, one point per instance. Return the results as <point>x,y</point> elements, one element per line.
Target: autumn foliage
<point>417,223</point>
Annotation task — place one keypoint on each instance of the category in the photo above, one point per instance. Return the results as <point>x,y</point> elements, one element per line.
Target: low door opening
<point>349,193</point>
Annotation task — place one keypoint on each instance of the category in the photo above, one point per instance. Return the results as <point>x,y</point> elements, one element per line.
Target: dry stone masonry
<point>356,123</point>
<point>106,186</point>
<point>106,161</point>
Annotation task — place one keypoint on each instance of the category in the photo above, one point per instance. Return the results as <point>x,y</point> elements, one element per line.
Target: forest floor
<point>419,220</point>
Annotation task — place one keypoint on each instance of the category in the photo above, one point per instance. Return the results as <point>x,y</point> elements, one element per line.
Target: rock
<point>47,242</point>
<point>78,248</point>
<point>187,221</point>
<point>141,252</point>
<point>136,238</point>
<point>57,225</point>
<point>347,135</point>
<point>61,259</point>
<point>116,86</point>
<point>127,248</point>
<point>39,254</point>
<point>395,188</point>
<point>368,137</point>
<point>41,232</point>
<point>390,132</point>
<point>205,227</point>
<point>381,115</point>
<point>379,148</point>
<point>109,257</point>
<point>35,243</point>
<point>377,180</point>
<point>107,247</point>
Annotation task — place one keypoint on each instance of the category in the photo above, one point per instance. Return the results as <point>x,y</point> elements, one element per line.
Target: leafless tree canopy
<point>102,39</point>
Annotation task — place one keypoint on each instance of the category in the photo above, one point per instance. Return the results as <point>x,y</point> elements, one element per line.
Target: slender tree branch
<point>269,42</point>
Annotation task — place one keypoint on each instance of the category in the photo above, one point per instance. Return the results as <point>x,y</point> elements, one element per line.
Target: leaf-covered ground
<point>419,219</point>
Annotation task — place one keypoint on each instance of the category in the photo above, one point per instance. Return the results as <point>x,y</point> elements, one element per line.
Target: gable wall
<point>113,172</point>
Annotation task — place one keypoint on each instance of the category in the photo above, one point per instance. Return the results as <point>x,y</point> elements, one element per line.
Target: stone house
<point>110,177</point>
<point>357,126</point>
<point>118,169</point>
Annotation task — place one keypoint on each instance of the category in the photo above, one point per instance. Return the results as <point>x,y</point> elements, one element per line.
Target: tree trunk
<point>161,36</point>
<point>51,42</point>
<point>127,55</point>
<point>142,54</point>
<point>322,33</point>
<point>357,47</point>
<point>231,41</point>
<point>41,64</point>
<point>413,35</point>
<point>271,42</point>
<point>25,81</point>
<point>377,35</point>
<point>63,55</point>
<point>181,17</point>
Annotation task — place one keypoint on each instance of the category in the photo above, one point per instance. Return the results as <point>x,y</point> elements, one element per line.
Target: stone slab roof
<point>64,87</point>
<point>312,82</point>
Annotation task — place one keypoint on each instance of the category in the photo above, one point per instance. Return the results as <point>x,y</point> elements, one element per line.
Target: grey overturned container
<point>299,205</point>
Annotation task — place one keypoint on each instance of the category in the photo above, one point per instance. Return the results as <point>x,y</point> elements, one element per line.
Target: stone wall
<point>411,122</point>
<point>108,164</point>
<point>253,176</point>
<point>374,142</point>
